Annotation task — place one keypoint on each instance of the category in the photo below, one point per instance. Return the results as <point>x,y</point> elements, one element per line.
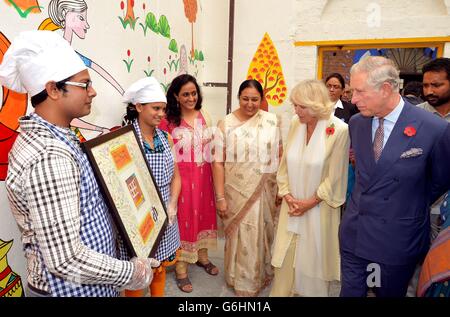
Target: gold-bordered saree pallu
<point>250,189</point>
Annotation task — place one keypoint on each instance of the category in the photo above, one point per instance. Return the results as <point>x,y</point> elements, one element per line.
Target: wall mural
<point>10,282</point>
<point>190,11</point>
<point>24,7</point>
<point>14,105</point>
<point>174,54</point>
<point>177,60</point>
<point>71,16</point>
<point>266,68</point>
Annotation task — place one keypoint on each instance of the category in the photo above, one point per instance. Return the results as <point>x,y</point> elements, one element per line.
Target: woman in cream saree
<point>312,180</point>
<point>247,155</point>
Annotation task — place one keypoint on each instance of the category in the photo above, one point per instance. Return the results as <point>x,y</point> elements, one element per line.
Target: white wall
<point>213,35</point>
<point>364,20</point>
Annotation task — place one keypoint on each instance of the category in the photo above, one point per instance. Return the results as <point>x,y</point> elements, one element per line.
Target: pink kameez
<point>196,203</point>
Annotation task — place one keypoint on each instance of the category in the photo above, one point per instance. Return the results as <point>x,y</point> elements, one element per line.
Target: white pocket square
<point>413,152</point>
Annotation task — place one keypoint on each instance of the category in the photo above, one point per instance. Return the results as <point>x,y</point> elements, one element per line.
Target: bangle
<point>219,199</point>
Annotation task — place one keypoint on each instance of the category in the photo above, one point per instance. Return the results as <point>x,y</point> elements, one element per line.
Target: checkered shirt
<point>162,166</point>
<point>67,234</point>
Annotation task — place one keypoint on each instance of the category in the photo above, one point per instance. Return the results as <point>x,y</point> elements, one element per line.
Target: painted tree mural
<point>190,11</point>
<point>266,68</point>
<point>25,7</point>
<point>129,18</point>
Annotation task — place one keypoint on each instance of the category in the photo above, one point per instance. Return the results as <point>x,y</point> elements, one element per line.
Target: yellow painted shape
<point>5,246</point>
<point>266,68</point>
<point>17,290</point>
<point>48,25</point>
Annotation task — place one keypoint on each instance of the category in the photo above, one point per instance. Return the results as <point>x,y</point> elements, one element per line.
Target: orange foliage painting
<point>25,5</point>
<point>130,11</point>
<point>190,11</point>
<point>266,68</point>
<point>13,105</point>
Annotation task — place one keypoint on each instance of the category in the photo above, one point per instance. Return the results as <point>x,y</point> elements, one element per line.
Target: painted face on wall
<point>77,22</point>
<point>436,88</point>
<point>188,96</point>
<point>249,101</point>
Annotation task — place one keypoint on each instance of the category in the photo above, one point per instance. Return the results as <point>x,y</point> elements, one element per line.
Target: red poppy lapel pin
<point>410,131</point>
<point>330,130</point>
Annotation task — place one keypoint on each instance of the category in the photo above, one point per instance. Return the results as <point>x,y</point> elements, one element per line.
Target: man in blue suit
<point>402,166</point>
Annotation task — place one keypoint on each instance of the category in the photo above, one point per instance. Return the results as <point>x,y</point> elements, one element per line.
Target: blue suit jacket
<point>387,217</point>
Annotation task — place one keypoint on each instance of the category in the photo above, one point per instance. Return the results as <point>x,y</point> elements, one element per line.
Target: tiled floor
<point>205,285</point>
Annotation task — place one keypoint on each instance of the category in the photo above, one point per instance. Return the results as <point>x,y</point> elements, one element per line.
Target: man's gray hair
<point>379,70</point>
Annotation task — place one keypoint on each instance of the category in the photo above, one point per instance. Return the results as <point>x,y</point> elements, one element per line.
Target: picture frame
<point>129,188</point>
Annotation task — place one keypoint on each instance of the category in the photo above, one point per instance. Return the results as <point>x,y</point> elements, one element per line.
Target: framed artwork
<point>129,188</point>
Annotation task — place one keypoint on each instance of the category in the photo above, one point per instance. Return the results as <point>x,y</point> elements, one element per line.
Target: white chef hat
<point>145,90</point>
<point>35,58</point>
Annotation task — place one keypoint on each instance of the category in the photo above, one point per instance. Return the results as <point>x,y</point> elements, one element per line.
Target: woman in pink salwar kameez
<point>187,124</point>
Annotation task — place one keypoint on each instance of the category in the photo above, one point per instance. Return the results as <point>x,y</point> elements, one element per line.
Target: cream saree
<point>250,189</point>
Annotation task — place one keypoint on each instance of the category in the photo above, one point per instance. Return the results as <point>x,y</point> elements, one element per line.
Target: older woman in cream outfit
<point>312,179</point>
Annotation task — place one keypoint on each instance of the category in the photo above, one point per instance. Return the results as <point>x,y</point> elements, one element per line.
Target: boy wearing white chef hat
<point>69,239</point>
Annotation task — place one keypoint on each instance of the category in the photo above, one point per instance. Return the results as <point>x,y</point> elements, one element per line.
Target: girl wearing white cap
<point>146,107</point>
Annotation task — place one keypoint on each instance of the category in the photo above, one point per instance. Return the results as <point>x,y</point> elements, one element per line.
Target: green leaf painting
<point>164,27</point>
<point>149,72</point>
<point>150,21</point>
<point>201,58</point>
<point>128,21</point>
<point>165,87</point>
<point>173,46</point>
<point>24,13</point>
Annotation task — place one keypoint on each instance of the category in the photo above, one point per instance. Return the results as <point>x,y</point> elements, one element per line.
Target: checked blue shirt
<point>68,236</point>
<point>162,165</point>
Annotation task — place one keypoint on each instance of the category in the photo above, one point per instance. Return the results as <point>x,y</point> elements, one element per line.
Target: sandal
<point>209,267</point>
<point>182,283</point>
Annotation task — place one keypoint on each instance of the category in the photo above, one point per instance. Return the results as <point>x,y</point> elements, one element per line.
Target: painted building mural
<point>70,17</point>
<point>120,42</point>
